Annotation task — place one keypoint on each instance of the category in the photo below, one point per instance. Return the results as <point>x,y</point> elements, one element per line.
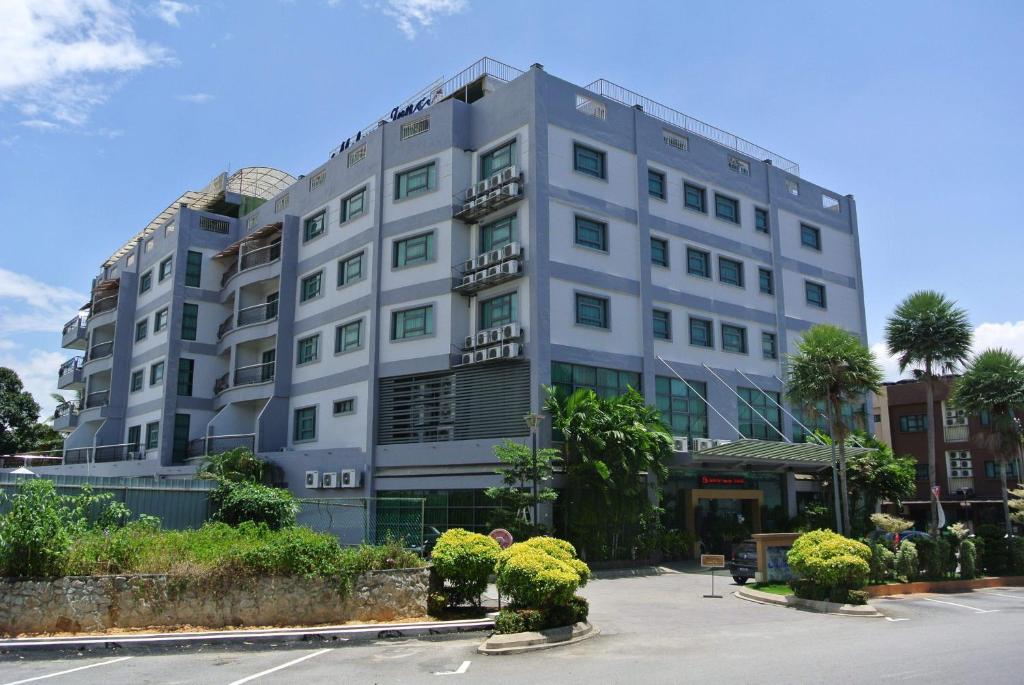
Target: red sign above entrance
<point>723,480</point>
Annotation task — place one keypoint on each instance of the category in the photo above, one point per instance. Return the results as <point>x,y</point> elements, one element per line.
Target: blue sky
<point>109,109</point>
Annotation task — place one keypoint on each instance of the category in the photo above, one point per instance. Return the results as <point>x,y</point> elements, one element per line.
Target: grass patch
<point>774,588</point>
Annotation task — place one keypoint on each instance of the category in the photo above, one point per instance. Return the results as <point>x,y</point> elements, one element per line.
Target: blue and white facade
<point>583,231</point>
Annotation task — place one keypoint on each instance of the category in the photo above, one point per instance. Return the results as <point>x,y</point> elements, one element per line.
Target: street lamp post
<point>533,422</point>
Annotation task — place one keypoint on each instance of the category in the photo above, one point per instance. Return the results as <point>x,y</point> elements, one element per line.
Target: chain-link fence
<point>366,520</point>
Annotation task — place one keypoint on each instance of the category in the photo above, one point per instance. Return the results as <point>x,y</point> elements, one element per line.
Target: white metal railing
<point>100,398</point>
<point>76,325</point>
<point>260,255</point>
<point>254,373</point>
<point>104,304</point>
<point>71,365</point>
<point>100,350</point>
<point>257,313</point>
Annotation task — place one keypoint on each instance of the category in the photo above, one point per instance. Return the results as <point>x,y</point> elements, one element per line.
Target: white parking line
<point>1003,594</point>
<point>70,670</point>
<point>282,666</point>
<point>459,671</point>
<point>962,606</point>
<point>894,620</point>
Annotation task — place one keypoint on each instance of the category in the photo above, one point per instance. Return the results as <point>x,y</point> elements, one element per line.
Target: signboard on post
<point>712,561</point>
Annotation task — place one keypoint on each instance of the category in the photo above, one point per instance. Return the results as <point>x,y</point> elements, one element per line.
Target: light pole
<point>533,422</point>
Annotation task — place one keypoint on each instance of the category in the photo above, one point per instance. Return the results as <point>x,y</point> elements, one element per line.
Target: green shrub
<point>508,621</point>
<point>806,589</point>
<point>464,560</point>
<point>828,560</point>
<point>882,562</point>
<point>676,544</point>
<point>857,597</point>
<point>933,557</point>
<point>979,555</point>
<point>34,536</point>
<point>540,573</point>
<point>437,602</point>
<point>907,564</point>
<point>996,559</point>
<point>968,560</point>
<point>237,502</point>
<point>1016,546</point>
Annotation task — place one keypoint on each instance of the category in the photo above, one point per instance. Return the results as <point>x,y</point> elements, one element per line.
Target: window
<point>693,197</point>
<point>659,251</point>
<point>993,469</point>
<point>308,350</point>
<point>412,323</point>
<point>590,107</point>
<point>160,320</point>
<point>662,324</point>
<point>415,181</point>
<point>568,378</point>
<point>792,187</point>
<point>730,271</point>
<point>153,435</point>
<point>810,237</point>
<point>348,337</point>
<point>591,311</point>
<point>753,426</point>
<point>414,128</point>
<point>914,423</point>
<point>921,472</point>
<point>165,269</point>
<point>146,281</point>
<point>149,246</point>
<point>193,269</point>
<point>698,262</point>
<point>138,378</point>
<point>676,141</point>
<point>815,293</point>
<point>415,250</point>
<point>734,338</point>
<point>314,226</point>
<point>830,203</point>
<point>189,321</point>
<point>499,311</point>
<point>346,406</point>
<point>350,269</point>
<point>156,373</point>
<point>592,234</point>
<point>141,329</point>
<point>761,220</point>
<point>766,280</point>
<point>357,155</point>
<point>271,306</point>
<point>186,371</point>
<point>740,166</point>
<point>683,409</point>
<point>498,159</point>
<point>656,184</point>
<point>498,233</point>
<point>769,346</point>
<point>353,205</point>
<point>134,437</point>
<point>727,208</point>
<point>311,286</point>
<point>179,442</point>
<point>281,203</point>
<point>588,161</point>
<point>701,333</point>
<point>305,424</point>
<point>317,179</point>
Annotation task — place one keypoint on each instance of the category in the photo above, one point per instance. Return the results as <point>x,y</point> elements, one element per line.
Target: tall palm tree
<point>993,382</point>
<point>929,333</point>
<point>833,366</point>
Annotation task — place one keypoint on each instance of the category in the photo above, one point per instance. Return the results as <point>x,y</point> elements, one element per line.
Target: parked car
<point>743,566</point>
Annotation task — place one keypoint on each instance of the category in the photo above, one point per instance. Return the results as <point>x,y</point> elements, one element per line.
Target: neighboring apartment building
<point>966,472</point>
<point>389,317</point>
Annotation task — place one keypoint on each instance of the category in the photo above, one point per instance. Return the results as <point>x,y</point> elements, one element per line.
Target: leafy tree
<point>993,382</point>
<point>609,447</point>
<point>930,333</point>
<point>834,366</point>
<point>514,499</point>
<point>19,413</point>
<point>239,465</point>
<point>877,476</point>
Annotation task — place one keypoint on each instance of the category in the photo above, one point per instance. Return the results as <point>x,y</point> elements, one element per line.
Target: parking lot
<point>655,628</point>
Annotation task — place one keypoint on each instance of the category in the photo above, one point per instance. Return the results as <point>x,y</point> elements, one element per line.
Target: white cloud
<point>56,53</point>
<point>39,124</point>
<point>1008,335</point>
<point>196,98</point>
<point>168,11</point>
<point>38,372</point>
<point>412,15</point>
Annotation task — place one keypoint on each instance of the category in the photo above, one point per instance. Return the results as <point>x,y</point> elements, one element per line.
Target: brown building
<point>967,473</point>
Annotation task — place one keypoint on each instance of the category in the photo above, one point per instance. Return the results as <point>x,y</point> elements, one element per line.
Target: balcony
<point>104,304</point>
<point>257,313</point>
<point>263,253</point>
<point>255,373</point>
<point>489,195</point>
<point>215,444</point>
<point>501,343</point>
<point>99,351</point>
<point>65,416</point>
<point>959,433</point>
<point>959,484</point>
<point>74,337</point>
<point>104,454</point>
<point>70,373</point>
<point>225,326</point>
<point>100,398</point>
<point>489,269</point>
<point>222,384</point>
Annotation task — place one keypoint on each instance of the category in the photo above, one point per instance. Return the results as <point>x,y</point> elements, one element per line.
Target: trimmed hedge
<point>238,502</point>
<point>540,572</point>
<point>463,560</point>
<point>828,565</point>
<point>968,560</point>
<point>907,563</point>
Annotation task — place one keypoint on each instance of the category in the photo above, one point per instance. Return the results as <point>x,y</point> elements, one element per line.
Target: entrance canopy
<point>752,454</point>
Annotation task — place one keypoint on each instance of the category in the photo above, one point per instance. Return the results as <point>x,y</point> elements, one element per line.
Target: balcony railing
<point>99,398</point>
<point>74,327</point>
<point>67,408</point>
<point>489,195</point>
<point>70,366</point>
<point>489,269</point>
<point>956,484</point>
<point>222,384</point>
<point>956,433</point>
<point>100,350</point>
<point>257,313</point>
<point>260,256</point>
<point>104,454</point>
<point>225,326</point>
<point>254,373</point>
<point>215,444</point>
<point>232,270</point>
<point>104,304</point>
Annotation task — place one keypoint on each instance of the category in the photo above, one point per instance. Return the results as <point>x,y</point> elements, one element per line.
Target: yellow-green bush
<point>828,561</point>
<point>464,560</point>
<point>540,573</point>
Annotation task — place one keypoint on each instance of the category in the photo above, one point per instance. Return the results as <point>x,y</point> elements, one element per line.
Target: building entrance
<point>721,518</point>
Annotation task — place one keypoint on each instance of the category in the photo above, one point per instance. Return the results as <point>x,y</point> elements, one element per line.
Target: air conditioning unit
<point>470,192</point>
<point>494,335</point>
<point>680,444</point>
<point>511,250</point>
<point>721,442</point>
<point>495,195</point>
<point>509,268</point>
<point>493,271</point>
<point>480,276</point>
<point>329,480</point>
<point>479,356</point>
<point>481,260</point>
<point>481,187</point>
<point>469,265</point>
<point>510,190</point>
<point>511,331</point>
<point>495,180</point>
<point>469,342</point>
<point>312,479</point>
<point>510,350</point>
<point>467,358</point>
<point>508,173</point>
<point>351,478</point>
<point>703,444</point>
<point>493,257</point>
<point>494,352</point>
<point>468,280</point>
<point>482,338</point>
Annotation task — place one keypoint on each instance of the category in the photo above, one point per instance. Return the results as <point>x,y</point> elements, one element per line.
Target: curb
<point>378,631</point>
<point>940,586</point>
<point>517,643</point>
<point>857,610</point>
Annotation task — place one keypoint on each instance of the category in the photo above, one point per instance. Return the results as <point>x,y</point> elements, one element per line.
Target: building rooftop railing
<point>627,97</point>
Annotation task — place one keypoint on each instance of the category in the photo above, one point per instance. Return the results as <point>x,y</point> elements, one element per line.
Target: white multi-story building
<point>394,313</point>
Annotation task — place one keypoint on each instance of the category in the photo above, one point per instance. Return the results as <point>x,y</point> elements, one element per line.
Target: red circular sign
<point>503,537</point>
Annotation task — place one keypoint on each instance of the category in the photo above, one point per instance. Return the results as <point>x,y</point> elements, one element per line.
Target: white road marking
<point>890,618</point>
<point>282,666</point>
<point>70,670</point>
<point>459,671</point>
<point>1003,594</point>
<point>962,606</point>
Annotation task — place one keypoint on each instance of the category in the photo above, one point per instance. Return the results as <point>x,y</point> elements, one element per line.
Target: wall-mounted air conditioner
<point>480,261</point>
<point>509,268</point>
<point>480,276</point>
<point>494,352</point>
<point>680,444</point>
<point>511,250</point>
<point>508,173</point>
<point>481,187</point>
<point>510,350</point>
<point>469,342</point>
<point>494,335</point>
<point>351,478</point>
<point>468,280</point>
<point>510,190</point>
<point>482,338</point>
<point>469,265</point>
<point>493,257</point>
<point>467,358</point>
<point>480,356</point>
<point>471,192</point>
<point>493,271</point>
<point>721,442</point>
<point>312,479</point>
<point>494,195</point>
<point>329,480</point>
<point>511,331</point>
<point>703,444</point>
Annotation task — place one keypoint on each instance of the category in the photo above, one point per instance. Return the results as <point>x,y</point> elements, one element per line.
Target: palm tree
<point>931,334</point>
<point>833,366</point>
<point>993,382</point>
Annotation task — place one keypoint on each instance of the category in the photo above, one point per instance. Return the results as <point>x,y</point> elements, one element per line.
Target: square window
<point>412,323</point>
<point>659,251</point>
<point>769,347</point>
<point>160,320</point>
<point>314,226</point>
<point>694,197</point>
<point>588,161</point>
<point>353,205</point>
<point>305,424</point>
<point>348,337</point>
<point>740,166</point>
<point>734,338</point>
<point>662,324</point>
<point>165,269</point>
<point>145,281</point>
<point>138,378</point>
<point>350,269</point>
<point>656,184</point>
<point>311,286</point>
<point>730,271</point>
<point>414,128</point>
<point>156,373</point>
<point>767,281</point>
<point>346,406</point>
<point>189,321</point>
<point>416,181</point>
<point>698,262</point>
<point>810,237</point>
<point>153,435</point>
<point>357,155</point>
<point>727,208</point>
<point>193,269</point>
<point>591,311</point>
<point>701,333</point>
<point>141,329</point>
<point>913,423</point>
<point>498,159</point>
<point>592,234</point>
<point>815,294</point>
<point>761,220</point>
<point>498,233</point>
<point>499,311</point>
<point>674,140</point>
<point>418,249</point>
<point>308,350</point>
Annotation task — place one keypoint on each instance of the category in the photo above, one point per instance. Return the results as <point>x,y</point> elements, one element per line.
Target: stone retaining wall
<point>94,603</point>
